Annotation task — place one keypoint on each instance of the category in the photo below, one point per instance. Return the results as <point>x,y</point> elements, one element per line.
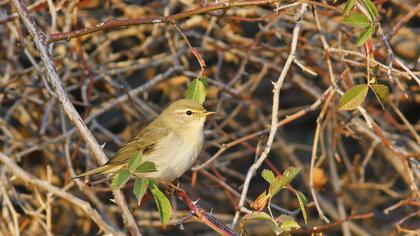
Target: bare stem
<point>85,206</point>
<point>274,116</point>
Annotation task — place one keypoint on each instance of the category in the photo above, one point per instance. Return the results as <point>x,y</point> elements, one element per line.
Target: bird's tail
<point>105,169</point>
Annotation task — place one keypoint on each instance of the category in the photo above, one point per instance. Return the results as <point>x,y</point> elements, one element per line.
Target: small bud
<point>261,201</point>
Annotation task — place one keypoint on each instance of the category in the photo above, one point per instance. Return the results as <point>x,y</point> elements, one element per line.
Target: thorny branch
<point>205,216</point>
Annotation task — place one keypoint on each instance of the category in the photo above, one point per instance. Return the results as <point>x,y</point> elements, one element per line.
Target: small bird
<point>172,141</point>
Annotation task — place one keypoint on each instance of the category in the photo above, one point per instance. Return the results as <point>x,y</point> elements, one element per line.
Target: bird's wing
<point>145,141</point>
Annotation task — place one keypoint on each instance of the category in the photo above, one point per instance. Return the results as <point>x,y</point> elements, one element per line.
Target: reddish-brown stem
<point>204,216</point>
<point>114,23</point>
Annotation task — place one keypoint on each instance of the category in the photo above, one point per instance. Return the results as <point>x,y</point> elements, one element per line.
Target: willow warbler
<point>172,141</point>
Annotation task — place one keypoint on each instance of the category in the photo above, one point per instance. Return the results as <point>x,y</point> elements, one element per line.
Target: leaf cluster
<point>282,223</point>
<point>368,24</point>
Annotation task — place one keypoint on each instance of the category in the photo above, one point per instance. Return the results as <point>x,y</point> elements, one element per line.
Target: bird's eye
<point>189,112</point>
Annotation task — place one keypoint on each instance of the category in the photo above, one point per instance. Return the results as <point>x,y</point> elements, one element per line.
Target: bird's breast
<point>174,155</point>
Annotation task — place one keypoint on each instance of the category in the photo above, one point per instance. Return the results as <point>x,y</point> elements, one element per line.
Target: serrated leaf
<point>135,161</point>
<point>140,188</point>
<point>284,180</point>
<point>357,20</point>
<point>268,175</point>
<point>146,166</point>
<point>302,202</point>
<point>349,5</point>
<point>197,90</point>
<point>370,6</point>
<point>381,91</point>
<point>120,179</point>
<point>260,216</point>
<point>353,97</point>
<point>162,203</point>
<point>364,36</point>
<point>256,216</point>
<point>287,223</point>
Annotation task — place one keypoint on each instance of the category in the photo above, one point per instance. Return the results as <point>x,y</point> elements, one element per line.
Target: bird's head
<point>185,113</point>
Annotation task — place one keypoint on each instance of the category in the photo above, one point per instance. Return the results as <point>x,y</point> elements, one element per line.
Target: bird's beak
<point>206,113</point>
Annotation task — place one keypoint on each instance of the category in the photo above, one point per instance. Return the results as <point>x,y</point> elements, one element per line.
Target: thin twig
<point>413,11</point>
<point>12,211</point>
<point>85,206</point>
<point>314,154</point>
<point>32,7</point>
<point>274,117</point>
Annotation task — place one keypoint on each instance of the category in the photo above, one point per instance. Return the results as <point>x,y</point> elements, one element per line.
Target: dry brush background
<point>365,169</point>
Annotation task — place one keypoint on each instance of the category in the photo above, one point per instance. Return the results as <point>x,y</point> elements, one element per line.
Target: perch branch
<point>204,216</point>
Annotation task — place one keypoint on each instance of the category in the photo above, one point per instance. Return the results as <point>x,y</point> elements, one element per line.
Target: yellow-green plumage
<point>172,141</point>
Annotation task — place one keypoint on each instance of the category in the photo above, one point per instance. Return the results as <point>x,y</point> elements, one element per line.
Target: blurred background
<point>119,79</point>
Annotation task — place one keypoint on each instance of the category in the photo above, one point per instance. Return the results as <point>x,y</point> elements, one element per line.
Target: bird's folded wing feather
<point>146,141</point>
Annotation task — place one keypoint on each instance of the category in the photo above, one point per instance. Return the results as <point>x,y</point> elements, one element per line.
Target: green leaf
<point>381,91</point>
<point>146,166</point>
<point>364,36</point>
<point>353,97</point>
<point>370,6</point>
<point>349,5</point>
<point>287,223</point>
<point>277,230</point>
<point>284,180</point>
<point>162,203</point>
<point>268,175</point>
<point>256,216</point>
<point>204,80</point>
<point>120,179</point>
<point>140,188</point>
<point>135,161</point>
<point>197,90</point>
<point>302,202</point>
<point>260,216</point>
<point>357,20</point>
